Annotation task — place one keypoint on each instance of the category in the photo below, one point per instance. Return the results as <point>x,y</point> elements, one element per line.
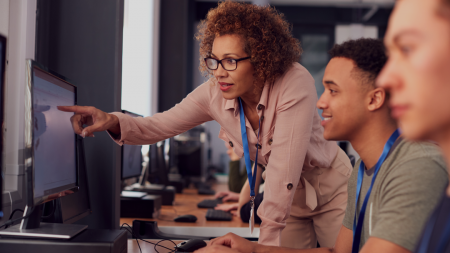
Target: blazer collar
<point>234,103</point>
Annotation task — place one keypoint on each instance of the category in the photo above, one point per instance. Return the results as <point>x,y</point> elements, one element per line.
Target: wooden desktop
<point>185,203</point>
<point>150,248</point>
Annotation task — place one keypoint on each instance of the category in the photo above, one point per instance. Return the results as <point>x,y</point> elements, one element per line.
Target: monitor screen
<point>158,174</point>
<point>75,206</point>
<point>131,161</point>
<point>2,79</point>
<point>54,142</point>
<point>131,157</point>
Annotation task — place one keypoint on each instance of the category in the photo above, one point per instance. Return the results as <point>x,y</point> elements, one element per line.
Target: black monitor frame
<point>157,165</point>
<point>135,115</point>
<point>2,106</point>
<point>31,225</point>
<point>32,200</point>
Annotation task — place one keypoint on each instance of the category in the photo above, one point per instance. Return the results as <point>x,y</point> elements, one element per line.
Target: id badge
<point>252,217</point>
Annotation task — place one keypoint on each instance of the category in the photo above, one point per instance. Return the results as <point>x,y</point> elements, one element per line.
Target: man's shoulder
<point>415,158</point>
<point>408,151</point>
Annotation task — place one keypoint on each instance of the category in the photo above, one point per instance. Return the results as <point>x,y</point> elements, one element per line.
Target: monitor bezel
<point>29,138</point>
<point>134,115</point>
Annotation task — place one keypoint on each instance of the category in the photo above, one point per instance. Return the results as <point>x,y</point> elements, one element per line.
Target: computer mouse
<point>186,218</point>
<point>190,245</point>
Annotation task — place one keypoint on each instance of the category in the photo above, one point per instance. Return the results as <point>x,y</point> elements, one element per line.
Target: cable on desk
<point>13,212</point>
<point>130,230</point>
<point>157,244</point>
<point>10,222</point>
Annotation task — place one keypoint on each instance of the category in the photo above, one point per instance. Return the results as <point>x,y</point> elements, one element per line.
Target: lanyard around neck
<point>357,226</point>
<point>248,164</point>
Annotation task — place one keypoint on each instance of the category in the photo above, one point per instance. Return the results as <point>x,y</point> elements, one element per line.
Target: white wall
<point>138,56</point>
<point>354,31</point>
<point>4,17</point>
<point>18,21</point>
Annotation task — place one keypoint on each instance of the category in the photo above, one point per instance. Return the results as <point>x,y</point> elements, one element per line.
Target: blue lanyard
<point>357,227</point>
<point>443,241</point>
<point>248,163</point>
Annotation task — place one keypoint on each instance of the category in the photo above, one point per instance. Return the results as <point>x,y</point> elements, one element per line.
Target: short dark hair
<point>369,56</point>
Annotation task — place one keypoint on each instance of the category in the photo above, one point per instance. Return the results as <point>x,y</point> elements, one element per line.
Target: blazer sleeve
<point>291,139</point>
<point>190,112</point>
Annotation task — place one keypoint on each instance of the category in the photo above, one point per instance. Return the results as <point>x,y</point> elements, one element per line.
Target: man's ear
<point>377,98</point>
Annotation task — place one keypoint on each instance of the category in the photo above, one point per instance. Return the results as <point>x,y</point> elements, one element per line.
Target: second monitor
<point>131,157</point>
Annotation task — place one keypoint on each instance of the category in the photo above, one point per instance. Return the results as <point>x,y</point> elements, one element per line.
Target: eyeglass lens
<point>227,64</point>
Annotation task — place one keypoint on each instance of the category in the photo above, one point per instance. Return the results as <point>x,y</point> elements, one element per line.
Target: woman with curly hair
<point>256,86</point>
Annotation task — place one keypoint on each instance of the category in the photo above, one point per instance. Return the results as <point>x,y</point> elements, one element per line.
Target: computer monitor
<point>157,169</point>
<point>74,206</point>
<point>131,157</point>
<point>190,161</point>
<point>50,152</point>
<point>2,80</point>
<point>169,151</point>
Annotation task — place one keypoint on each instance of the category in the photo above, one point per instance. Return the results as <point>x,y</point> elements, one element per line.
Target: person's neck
<point>370,140</point>
<point>251,99</point>
<point>443,140</point>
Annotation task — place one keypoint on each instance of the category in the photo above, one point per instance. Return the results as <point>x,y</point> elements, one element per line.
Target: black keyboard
<point>218,215</point>
<point>210,203</point>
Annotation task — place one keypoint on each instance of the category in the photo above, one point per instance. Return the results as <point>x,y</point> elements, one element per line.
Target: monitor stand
<point>45,230</point>
<point>32,227</point>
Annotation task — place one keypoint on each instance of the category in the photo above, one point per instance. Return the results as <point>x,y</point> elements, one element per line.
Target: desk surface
<point>149,248</point>
<point>186,203</point>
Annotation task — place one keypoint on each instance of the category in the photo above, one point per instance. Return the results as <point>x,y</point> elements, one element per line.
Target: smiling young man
<point>404,192</point>
<point>417,76</point>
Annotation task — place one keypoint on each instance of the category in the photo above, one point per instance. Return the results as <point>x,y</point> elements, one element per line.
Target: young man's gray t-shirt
<point>408,187</point>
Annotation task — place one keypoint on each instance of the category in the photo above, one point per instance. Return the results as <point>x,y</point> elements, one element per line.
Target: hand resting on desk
<point>228,208</point>
<point>229,243</point>
<point>227,196</point>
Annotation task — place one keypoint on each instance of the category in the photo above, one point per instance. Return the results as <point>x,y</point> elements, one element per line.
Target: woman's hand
<point>228,208</point>
<point>96,120</point>
<point>232,241</point>
<point>231,153</point>
<point>227,196</point>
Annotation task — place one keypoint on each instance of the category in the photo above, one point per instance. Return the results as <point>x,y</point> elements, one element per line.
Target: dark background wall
<point>82,40</point>
<point>177,37</point>
<point>175,51</point>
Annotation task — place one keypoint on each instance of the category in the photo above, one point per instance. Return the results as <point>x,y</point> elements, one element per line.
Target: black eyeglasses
<point>227,64</point>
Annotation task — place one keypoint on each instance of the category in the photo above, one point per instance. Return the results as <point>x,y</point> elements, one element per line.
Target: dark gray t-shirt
<point>440,219</point>
<point>406,191</point>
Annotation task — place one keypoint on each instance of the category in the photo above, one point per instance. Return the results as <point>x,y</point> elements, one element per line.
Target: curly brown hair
<point>266,33</point>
